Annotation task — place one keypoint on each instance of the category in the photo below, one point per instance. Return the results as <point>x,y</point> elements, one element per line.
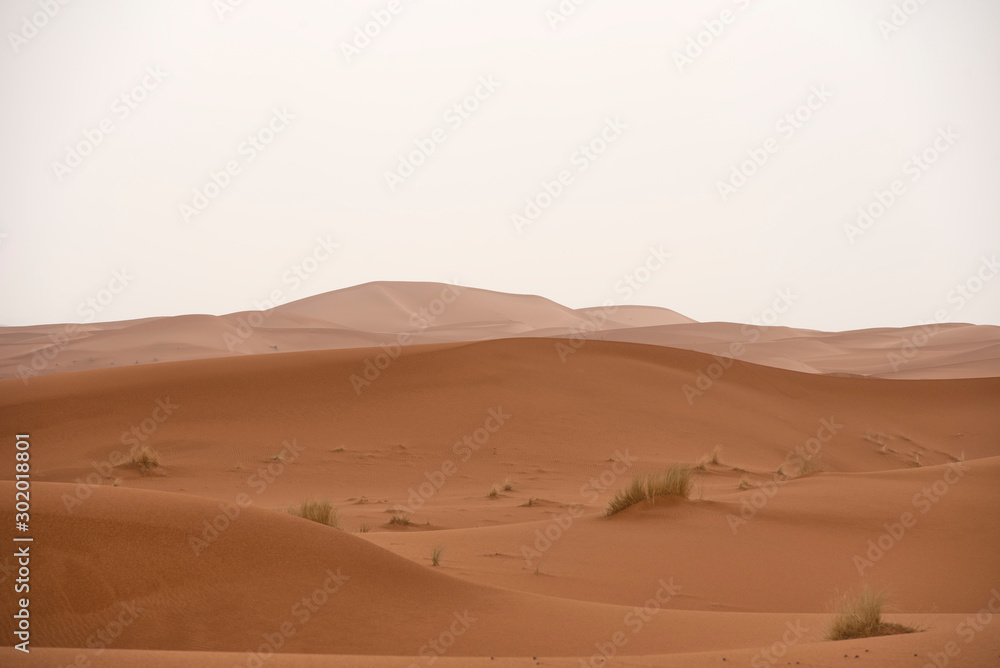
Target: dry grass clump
<point>317,510</point>
<point>400,519</point>
<point>144,459</point>
<point>745,483</point>
<point>860,616</point>
<point>508,485</point>
<point>436,555</point>
<point>494,491</point>
<point>810,465</point>
<point>712,459</point>
<point>675,481</point>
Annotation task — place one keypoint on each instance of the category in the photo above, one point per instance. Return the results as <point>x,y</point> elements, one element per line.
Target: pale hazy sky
<point>182,85</point>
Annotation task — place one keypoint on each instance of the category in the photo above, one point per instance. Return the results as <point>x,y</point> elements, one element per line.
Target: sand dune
<point>822,480</point>
<point>402,314</point>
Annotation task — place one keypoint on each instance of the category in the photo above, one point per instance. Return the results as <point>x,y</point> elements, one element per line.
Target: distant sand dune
<point>392,313</point>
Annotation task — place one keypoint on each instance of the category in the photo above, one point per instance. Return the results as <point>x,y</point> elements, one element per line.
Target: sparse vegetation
<point>875,437</point>
<point>494,491</point>
<point>531,501</point>
<point>712,459</point>
<point>745,483</point>
<point>810,465</point>
<point>364,528</point>
<point>278,457</point>
<point>860,616</point>
<point>144,459</point>
<point>508,485</point>
<point>399,519</point>
<point>675,481</point>
<point>436,555</point>
<point>317,510</point>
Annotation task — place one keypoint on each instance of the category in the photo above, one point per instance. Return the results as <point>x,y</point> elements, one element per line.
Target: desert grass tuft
<point>714,457</point>
<point>436,555</point>
<point>675,481</point>
<point>494,491</point>
<point>399,519</point>
<point>364,528</point>
<point>860,616</point>
<point>317,510</point>
<point>810,465</point>
<point>144,459</point>
<point>508,485</point>
<point>745,483</point>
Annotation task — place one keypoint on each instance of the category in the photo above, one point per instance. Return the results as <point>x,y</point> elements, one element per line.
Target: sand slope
<point>821,480</point>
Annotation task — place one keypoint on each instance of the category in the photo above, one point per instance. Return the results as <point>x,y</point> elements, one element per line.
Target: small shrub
<point>144,459</point>
<point>364,528</point>
<point>675,481</point>
<point>401,520</point>
<point>436,555</point>
<point>321,511</point>
<point>508,485</point>
<point>714,458</point>
<point>745,483</point>
<point>860,616</point>
<point>494,491</point>
<point>810,465</point>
